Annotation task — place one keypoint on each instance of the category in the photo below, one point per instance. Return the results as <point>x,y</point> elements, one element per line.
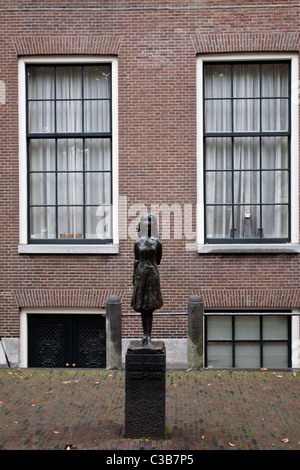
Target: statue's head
<point>148,226</point>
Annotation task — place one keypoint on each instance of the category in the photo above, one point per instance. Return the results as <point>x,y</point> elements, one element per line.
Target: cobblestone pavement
<point>50,409</point>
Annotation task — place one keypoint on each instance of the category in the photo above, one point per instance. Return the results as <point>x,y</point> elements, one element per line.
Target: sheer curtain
<point>246,172</point>
<point>70,176</point>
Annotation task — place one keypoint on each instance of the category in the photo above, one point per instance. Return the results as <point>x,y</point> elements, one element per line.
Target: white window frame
<point>295,332</point>
<point>24,246</point>
<point>46,311</point>
<point>293,246</point>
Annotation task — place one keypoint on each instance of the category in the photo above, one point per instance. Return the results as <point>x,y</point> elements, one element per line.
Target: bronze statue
<point>146,291</point>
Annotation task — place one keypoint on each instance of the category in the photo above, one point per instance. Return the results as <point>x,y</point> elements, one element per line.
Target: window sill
<point>112,249</point>
<point>291,248</point>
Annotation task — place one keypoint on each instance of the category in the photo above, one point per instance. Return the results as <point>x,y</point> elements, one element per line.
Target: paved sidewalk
<point>49,409</point>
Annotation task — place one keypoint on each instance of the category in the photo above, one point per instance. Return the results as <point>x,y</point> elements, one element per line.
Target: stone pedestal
<point>145,391</point>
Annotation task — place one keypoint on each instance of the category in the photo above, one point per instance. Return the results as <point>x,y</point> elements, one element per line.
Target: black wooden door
<point>66,341</point>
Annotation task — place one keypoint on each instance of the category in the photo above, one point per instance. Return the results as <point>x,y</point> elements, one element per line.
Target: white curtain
<point>69,177</point>
<point>246,176</point>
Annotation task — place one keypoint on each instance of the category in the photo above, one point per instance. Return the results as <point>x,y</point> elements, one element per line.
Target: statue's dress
<point>146,284</point>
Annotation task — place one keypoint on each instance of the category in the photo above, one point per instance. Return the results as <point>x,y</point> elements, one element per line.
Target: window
<point>248,341</point>
<point>247,161</point>
<point>68,155</point>
<point>69,160</point>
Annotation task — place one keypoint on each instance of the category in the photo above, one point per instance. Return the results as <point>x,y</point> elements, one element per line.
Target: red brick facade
<point>157,44</point>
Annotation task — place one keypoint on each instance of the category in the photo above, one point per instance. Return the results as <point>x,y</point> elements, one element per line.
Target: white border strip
<point>294,137</point>
<point>24,247</point>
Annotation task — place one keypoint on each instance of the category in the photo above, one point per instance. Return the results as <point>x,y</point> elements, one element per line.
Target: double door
<point>66,341</point>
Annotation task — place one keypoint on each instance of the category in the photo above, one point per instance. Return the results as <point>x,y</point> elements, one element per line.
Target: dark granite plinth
<point>145,390</point>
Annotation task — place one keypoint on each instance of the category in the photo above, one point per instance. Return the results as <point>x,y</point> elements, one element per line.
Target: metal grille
<point>92,345</point>
<point>67,341</point>
<point>47,343</point>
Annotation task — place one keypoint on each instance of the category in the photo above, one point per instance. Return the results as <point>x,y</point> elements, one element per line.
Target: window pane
<point>219,327</point>
<point>68,82</point>
<point>42,222</point>
<point>218,153</point>
<point>42,188</point>
<point>246,153</point>
<point>246,80</point>
<point>275,114</point>
<point>275,327</point>
<point>97,154</point>
<point>218,187</point>
<point>275,355</point>
<point>219,221</point>
<point>217,80</point>
<point>41,116</point>
<point>69,116</point>
<point>97,81</point>
<point>275,221</point>
<point>99,222</point>
<point>97,116</point>
<point>275,187</point>
<point>70,222</point>
<point>69,155</point>
<point>247,327</point>
<point>42,155</point>
<point>219,355</point>
<point>274,151</point>
<point>247,221</point>
<point>41,83</point>
<point>246,187</point>
<point>247,355</point>
<point>218,116</point>
<point>274,80</point>
<point>69,188</point>
<point>246,115</point>
<point>98,188</point>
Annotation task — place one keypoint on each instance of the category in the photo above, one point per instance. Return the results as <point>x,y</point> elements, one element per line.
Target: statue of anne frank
<point>146,284</point>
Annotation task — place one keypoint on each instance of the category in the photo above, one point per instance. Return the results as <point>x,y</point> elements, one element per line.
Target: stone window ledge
<point>290,248</point>
<point>54,249</point>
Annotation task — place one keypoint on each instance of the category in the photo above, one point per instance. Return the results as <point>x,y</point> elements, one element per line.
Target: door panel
<point>89,346</point>
<point>66,341</point>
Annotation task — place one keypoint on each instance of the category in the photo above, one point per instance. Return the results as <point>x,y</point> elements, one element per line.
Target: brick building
<point>187,109</point>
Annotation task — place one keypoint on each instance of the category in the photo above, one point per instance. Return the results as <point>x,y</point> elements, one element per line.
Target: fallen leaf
<point>97,383</point>
<point>48,393</point>
<point>285,440</point>
<point>279,376</point>
<point>55,432</point>
<point>203,437</point>
<point>232,445</point>
<point>1,402</point>
<point>66,382</point>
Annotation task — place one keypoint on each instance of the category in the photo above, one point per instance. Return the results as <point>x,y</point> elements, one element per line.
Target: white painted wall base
<point>176,352</point>
<point>10,346</point>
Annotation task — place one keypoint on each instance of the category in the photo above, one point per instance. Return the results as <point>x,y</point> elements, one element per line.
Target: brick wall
<point>156,44</point>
